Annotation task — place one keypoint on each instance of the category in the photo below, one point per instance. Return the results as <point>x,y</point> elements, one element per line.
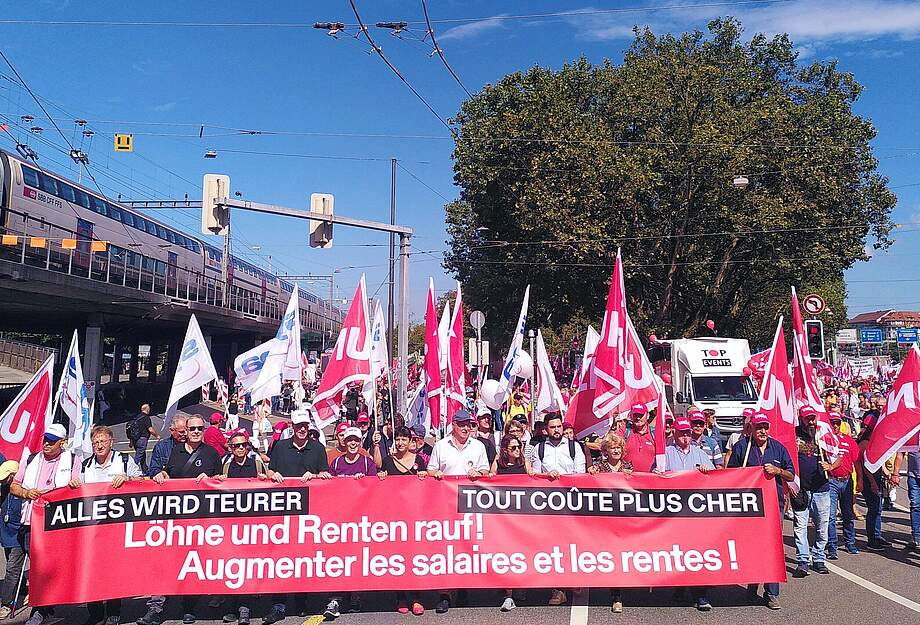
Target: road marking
<point>883,592</point>
<point>579,612</point>
<point>316,619</point>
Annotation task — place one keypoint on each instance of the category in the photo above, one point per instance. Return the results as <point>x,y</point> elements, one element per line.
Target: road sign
<point>908,336</point>
<point>847,336</point>
<point>124,143</point>
<point>813,304</point>
<point>477,319</point>
<point>870,336</point>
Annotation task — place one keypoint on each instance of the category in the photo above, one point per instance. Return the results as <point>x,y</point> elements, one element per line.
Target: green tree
<point>557,169</point>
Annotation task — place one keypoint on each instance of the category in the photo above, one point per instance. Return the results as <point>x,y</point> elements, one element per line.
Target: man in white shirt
<point>106,465</point>
<point>458,454</point>
<point>558,455</point>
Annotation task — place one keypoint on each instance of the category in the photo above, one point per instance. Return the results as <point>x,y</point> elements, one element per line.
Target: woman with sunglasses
<point>510,461</point>
<point>613,450</point>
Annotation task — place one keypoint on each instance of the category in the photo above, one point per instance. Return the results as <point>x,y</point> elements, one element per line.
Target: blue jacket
<point>10,517</point>
<point>775,453</point>
<point>160,455</point>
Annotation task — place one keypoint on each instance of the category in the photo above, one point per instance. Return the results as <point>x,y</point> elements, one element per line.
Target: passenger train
<point>142,252</point>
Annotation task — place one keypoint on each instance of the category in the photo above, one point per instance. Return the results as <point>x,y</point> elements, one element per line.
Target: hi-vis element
<point>124,143</point>
<point>321,231</point>
<point>214,220</point>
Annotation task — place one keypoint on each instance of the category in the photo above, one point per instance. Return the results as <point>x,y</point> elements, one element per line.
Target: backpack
<point>124,461</point>
<point>541,448</point>
<point>133,429</point>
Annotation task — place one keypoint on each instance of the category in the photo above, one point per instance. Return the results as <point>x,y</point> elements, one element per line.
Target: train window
<point>47,183</point>
<point>98,205</point>
<point>67,192</point>
<point>151,227</point>
<point>127,218</point>
<point>81,198</point>
<point>114,212</point>
<point>161,232</point>
<point>29,176</point>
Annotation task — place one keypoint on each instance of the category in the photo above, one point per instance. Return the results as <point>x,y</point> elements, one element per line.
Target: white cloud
<point>473,29</point>
<point>165,107</point>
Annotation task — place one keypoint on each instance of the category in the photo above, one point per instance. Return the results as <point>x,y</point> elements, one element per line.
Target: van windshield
<point>723,388</point>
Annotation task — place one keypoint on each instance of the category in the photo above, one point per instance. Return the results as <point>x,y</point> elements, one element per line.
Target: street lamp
<point>740,182</point>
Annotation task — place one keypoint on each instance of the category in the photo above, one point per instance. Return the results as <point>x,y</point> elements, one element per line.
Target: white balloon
<point>488,392</point>
<point>523,366</point>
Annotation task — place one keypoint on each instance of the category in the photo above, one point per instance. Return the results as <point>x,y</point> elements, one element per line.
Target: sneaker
<point>617,607</point>
<point>188,618</point>
<point>354,605</point>
<point>443,606</point>
<point>800,571</point>
<point>273,616</point>
<point>874,545</point>
<point>771,602</point>
<point>851,549</point>
<point>332,610</point>
<point>151,618</point>
<point>820,568</point>
<point>508,604</point>
<point>557,598</point>
<point>5,612</point>
<point>244,616</point>
<point>417,608</point>
<point>229,617</point>
<point>703,605</point>
<point>833,556</point>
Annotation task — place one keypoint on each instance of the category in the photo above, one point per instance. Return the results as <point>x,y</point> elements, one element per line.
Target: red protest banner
<point>246,536</point>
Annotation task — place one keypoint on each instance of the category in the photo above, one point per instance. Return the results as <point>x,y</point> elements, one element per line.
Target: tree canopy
<point>559,168</point>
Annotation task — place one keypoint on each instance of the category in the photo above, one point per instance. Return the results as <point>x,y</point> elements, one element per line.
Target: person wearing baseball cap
<point>682,455</point>
<point>760,449</point>
<point>702,440</point>
<point>841,491</point>
<point>640,442</point>
<point>214,436</point>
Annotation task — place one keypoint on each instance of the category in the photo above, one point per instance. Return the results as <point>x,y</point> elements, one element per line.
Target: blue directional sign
<point>908,336</point>
<point>870,336</point>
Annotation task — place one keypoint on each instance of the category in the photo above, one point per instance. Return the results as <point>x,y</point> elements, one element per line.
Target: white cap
<point>356,432</point>
<point>300,416</point>
<point>56,430</point>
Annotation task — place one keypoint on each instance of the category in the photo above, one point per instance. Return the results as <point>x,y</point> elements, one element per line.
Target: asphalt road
<point>863,588</point>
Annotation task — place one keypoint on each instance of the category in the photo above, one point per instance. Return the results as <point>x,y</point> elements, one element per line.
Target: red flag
<point>23,423</point>
<point>805,385</point>
<point>432,358</point>
<point>456,367</point>
<point>580,411</point>
<point>610,358</point>
<point>776,397</point>
<point>757,363</point>
<point>349,362</point>
<point>901,420</point>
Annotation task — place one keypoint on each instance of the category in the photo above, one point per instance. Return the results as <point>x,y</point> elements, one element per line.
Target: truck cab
<point>709,373</point>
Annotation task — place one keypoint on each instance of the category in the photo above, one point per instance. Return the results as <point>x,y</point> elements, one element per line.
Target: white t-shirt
<point>93,472</point>
<point>452,460</point>
<point>557,458</point>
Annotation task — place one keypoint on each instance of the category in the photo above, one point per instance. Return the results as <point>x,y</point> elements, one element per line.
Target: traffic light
<point>321,231</point>
<point>214,220</point>
<point>814,333</point>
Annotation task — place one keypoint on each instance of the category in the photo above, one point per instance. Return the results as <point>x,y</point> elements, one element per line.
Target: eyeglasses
<point>238,445</point>
<point>510,447</point>
<point>195,428</point>
<point>104,441</point>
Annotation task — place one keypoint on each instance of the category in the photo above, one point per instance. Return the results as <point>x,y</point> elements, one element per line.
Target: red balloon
<point>652,339</point>
<point>746,372</point>
<point>710,324</point>
<point>666,378</point>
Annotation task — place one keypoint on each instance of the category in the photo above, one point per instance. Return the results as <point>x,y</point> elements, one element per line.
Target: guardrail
<point>23,356</point>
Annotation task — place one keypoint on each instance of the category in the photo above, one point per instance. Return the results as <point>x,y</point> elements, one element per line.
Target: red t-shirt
<point>640,451</point>
<point>850,456</point>
<point>216,439</point>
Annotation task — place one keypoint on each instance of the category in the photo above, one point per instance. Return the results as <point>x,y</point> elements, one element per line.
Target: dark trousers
<point>15,560</point>
<point>140,452</point>
<point>101,610</point>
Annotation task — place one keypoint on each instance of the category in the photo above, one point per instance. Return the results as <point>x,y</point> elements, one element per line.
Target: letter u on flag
<point>23,423</point>
<point>195,369</point>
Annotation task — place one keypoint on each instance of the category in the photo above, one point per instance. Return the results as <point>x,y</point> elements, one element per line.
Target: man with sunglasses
<point>302,458</point>
<point>43,471</point>
<point>759,449</point>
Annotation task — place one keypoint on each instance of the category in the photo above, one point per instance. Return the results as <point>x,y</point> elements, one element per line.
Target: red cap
<point>807,411</point>
<point>682,423</point>
<point>363,418</point>
<point>638,409</point>
<point>760,418</point>
<point>695,416</point>
<point>341,427</point>
<point>748,412</point>
<point>870,420</point>
<point>217,417</point>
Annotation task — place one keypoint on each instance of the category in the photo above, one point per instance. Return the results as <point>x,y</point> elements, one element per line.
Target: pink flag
<point>757,363</point>
<point>901,421</point>
<point>776,397</point>
<point>432,358</point>
<point>23,423</point>
<point>456,365</point>
<point>349,362</point>
<point>805,385</point>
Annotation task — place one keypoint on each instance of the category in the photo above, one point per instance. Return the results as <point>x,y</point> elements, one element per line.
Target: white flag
<point>249,364</point>
<point>194,371</point>
<point>379,356</point>
<point>283,359</point>
<point>74,403</point>
<point>549,397</point>
<point>504,381</point>
<point>417,412</point>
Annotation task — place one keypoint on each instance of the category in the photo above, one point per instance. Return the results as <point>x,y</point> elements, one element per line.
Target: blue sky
<point>341,114</point>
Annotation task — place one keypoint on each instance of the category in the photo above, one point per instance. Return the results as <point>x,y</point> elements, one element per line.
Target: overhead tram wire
<point>383,57</point>
<point>437,49</point>
<point>422,182</point>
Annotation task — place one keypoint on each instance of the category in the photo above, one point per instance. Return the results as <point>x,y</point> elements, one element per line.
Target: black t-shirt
<point>289,461</point>
<point>489,444</point>
<point>512,469</point>
<point>394,467</point>
<point>206,461</point>
<point>143,424</point>
<point>247,469</point>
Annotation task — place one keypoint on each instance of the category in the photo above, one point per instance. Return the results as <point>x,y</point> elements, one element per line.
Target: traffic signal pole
<point>405,239</point>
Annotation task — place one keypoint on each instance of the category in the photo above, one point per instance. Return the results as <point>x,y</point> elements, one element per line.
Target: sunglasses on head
<point>195,428</point>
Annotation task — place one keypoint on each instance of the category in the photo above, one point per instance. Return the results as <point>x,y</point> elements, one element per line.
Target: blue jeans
<point>913,493</point>
<point>140,452</point>
<point>819,508</point>
<point>841,491</point>
<point>873,512</point>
